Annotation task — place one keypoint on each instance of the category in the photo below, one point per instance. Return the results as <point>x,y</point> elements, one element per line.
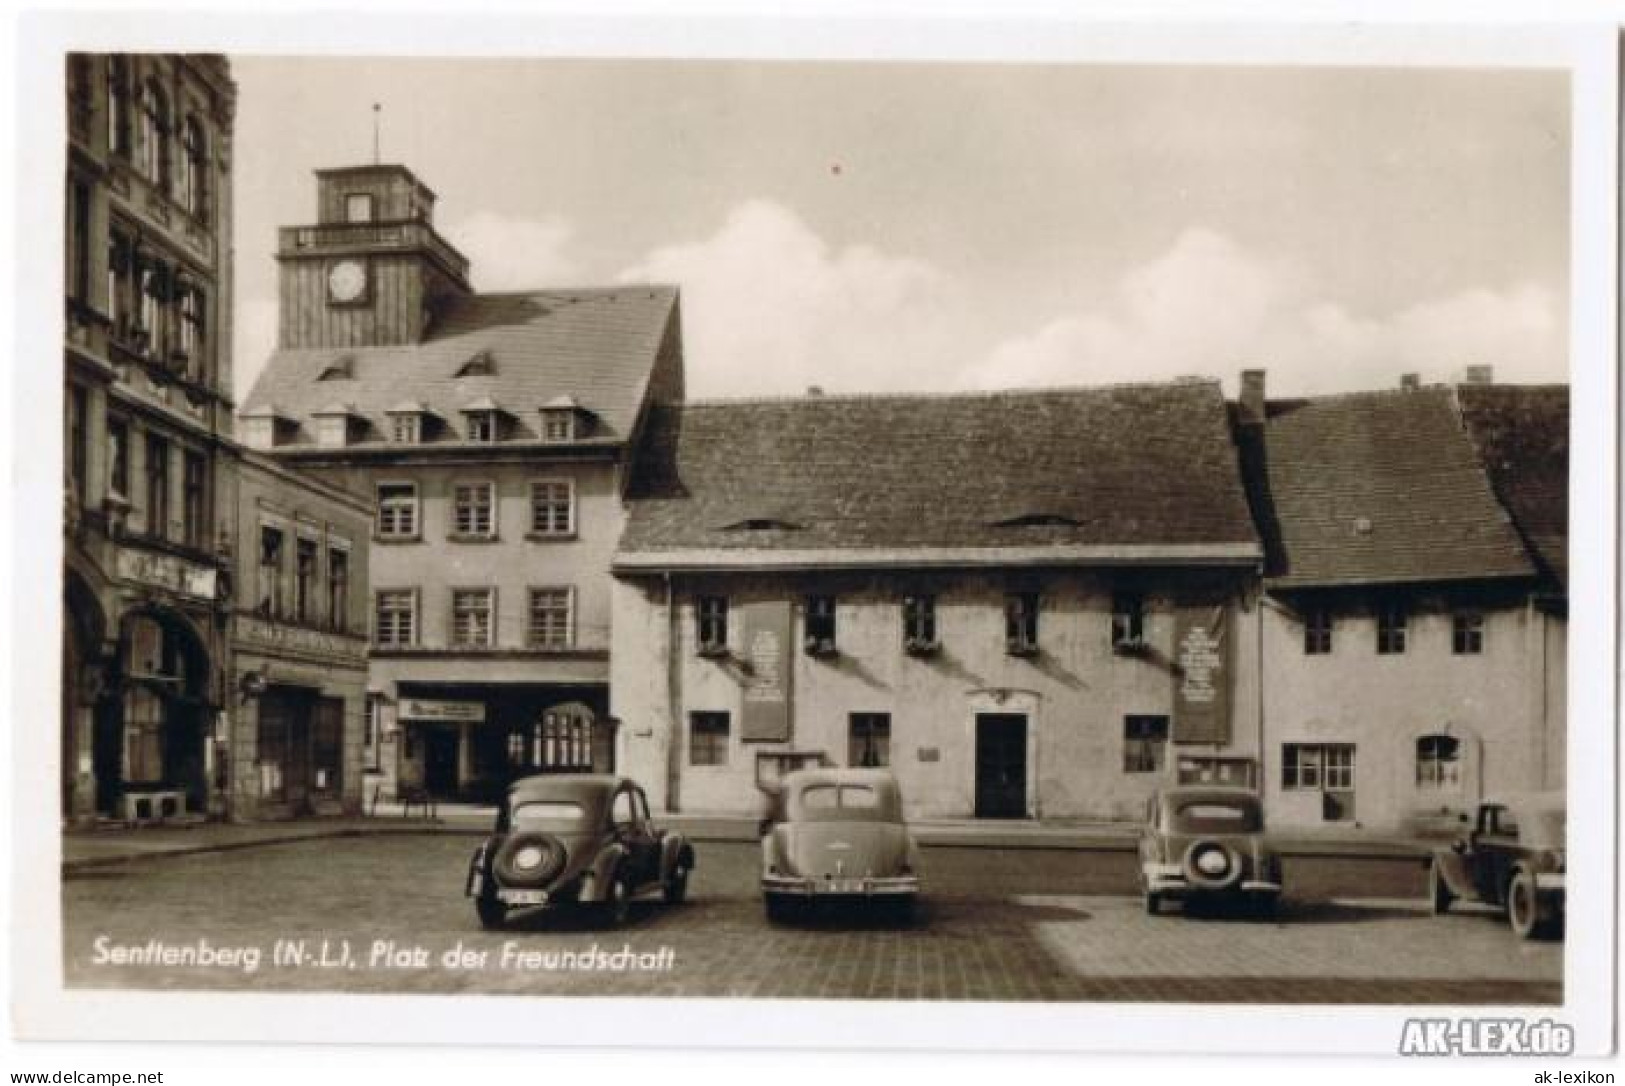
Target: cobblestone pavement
<point>385,914</point>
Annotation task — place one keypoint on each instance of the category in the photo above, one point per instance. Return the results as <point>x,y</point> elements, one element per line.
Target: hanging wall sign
<point>1202,675</point>
<point>766,628</point>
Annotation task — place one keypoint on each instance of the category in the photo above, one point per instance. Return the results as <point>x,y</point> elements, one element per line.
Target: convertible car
<point>1206,842</point>
<point>1512,857</point>
<point>838,833</point>
<point>575,841</point>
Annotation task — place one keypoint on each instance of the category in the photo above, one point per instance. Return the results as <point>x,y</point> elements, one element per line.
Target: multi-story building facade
<point>490,433</point>
<point>297,742</point>
<point>148,422</point>
<point>1415,628</point>
<point>1028,605</point>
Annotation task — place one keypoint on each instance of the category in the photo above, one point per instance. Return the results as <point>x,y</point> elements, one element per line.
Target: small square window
<point>482,426</point>
<point>1317,632</point>
<point>558,425</point>
<point>1128,621</point>
<point>1393,622</point>
<point>358,207</point>
<point>869,740</point>
<point>406,429</point>
<point>1145,743</point>
<point>708,738</point>
<point>1467,633</point>
<point>711,621</point>
<point>1021,623</point>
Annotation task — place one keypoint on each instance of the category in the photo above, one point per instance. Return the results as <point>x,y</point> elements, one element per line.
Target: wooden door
<point>1001,765</point>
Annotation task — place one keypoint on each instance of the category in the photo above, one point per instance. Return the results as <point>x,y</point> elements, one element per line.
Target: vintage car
<point>1512,857</point>
<point>838,833</point>
<point>575,840</point>
<point>1207,842</point>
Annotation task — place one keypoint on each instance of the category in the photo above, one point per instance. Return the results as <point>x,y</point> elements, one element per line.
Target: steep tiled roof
<point>595,346</point>
<point>1522,433</point>
<point>1128,471</point>
<point>1380,488</point>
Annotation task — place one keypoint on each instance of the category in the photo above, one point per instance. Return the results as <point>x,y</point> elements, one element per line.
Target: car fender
<point>674,850</point>
<point>1453,869</point>
<point>601,871</point>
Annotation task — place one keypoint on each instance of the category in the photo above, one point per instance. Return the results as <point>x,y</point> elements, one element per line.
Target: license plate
<point>844,886</point>
<point>524,897</point>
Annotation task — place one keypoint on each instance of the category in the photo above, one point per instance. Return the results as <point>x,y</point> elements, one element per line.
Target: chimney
<point>1251,401</point>
<point>1481,375</point>
<point>1410,382</point>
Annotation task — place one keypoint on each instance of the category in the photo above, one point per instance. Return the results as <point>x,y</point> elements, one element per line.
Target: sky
<point>880,227</point>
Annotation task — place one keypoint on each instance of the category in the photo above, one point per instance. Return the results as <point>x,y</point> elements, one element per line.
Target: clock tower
<point>373,270</point>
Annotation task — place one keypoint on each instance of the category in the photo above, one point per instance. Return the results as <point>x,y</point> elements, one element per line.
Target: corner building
<point>1026,604</point>
<point>490,434</point>
<point>147,371</point>
<point>1415,623</point>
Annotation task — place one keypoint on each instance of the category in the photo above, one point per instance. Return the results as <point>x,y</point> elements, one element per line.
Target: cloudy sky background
<point>883,227</point>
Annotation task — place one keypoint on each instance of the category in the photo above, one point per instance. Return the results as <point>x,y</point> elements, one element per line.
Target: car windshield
<point>548,813</point>
<point>1217,816</point>
<point>842,803</point>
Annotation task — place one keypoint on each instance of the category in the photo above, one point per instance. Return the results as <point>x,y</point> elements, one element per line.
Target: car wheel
<point>617,906</point>
<point>1153,903</point>
<point>1439,895</point>
<point>676,888</point>
<point>1524,911</point>
<point>492,913</point>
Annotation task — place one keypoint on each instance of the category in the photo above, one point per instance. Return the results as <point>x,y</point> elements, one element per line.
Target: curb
<point>927,837</point>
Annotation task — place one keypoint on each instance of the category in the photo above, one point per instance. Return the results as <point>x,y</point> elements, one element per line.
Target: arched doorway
<point>150,734</point>
<point>83,668</point>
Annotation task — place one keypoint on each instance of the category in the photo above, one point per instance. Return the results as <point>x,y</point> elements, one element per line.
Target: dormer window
<point>358,207</point>
<point>563,420</point>
<point>406,423</point>
<point>340,369</point>
<point>333,425</point>
<point>1037,520</point>
<point>481,365</point>
<point>265,427</point>
<point>558,426</point>
<point>406,429</point>
<point>482,426</point>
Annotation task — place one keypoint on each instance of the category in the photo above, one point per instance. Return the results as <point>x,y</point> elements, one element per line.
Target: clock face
<point>347,280</point>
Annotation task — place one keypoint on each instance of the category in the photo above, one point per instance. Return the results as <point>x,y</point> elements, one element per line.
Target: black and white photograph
<point>858,529</point>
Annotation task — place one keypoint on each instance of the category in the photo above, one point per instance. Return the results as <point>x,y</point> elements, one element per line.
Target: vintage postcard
<point>1095,524</point>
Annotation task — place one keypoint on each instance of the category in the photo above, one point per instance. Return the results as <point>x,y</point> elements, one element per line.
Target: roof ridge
<point>937,395</point>
<point>531,292</point>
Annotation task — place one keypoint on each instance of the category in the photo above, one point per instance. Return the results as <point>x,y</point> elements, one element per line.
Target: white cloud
<point>1209,306</point>
<point>507,253</point>
<point>770,307</point>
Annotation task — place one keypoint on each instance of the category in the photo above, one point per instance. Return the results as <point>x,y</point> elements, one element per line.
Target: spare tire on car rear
<point>1212,865</point>
<point>528,860</point>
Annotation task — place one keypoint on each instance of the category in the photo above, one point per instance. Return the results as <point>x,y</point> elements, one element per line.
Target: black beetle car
<point>1207,842</point>
<point>1511,857</point>
<point>575,840</point>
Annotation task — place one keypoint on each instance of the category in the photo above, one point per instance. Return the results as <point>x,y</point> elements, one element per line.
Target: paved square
<point>385,914</point>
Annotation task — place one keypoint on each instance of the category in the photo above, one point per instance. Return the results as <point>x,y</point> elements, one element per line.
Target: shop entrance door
<point>1001,765</point>
<point>440,760</point>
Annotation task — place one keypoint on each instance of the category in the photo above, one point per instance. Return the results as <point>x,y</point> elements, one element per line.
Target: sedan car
<point>838,833</point>
<point>1511,857</point>
<point>575,840</point>
<point>1206,842</point>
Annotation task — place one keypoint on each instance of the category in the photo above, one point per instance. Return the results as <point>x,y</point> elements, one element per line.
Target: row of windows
<point>558,426</point>
<point>1393,632</point>
<point>157,309</point>
<point>156,495</point>
<point>869,740</point>
<point>1021,611</point>
<point>549,618</point>
<point>296,599</point>
<point>141,128</point>
<point>474,510</point>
